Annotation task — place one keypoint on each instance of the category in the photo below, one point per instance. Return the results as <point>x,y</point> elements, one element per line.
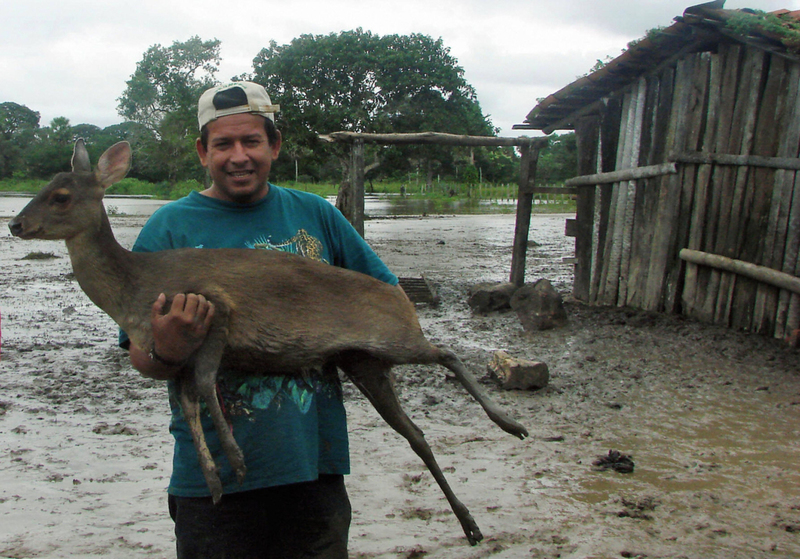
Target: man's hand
<point>177,334</point>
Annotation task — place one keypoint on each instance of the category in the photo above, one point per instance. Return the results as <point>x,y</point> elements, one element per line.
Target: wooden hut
<point>688,151</point>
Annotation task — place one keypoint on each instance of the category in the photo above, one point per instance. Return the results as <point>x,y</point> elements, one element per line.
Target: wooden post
<point>357,186</point>
<point>527,180</point>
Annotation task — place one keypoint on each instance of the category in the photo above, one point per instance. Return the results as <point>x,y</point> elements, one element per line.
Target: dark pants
<point>301,520</point>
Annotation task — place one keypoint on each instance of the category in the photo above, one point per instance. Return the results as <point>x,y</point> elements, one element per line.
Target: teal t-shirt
<point>290,429</point>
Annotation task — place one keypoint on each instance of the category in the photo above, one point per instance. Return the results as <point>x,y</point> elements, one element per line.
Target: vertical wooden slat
<point>699,219</point>
<point>611,269</point>
<point>694,128</point>
<point>640,234</point>
<point>587,134</point>
<point>721,175</point>
<point>654,151</point>
<point>739,142</point>
<point>607,157</point>
<point>668,195</point>
<point>757,230</point>
<point>633,150</point>
<point>741,305</point>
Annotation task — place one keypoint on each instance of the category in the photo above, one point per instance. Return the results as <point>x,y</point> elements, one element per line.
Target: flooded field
<point>710,418</point>
<point>375,206</point>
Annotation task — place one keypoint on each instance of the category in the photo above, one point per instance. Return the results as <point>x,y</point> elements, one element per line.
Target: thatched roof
<point>700,28</point>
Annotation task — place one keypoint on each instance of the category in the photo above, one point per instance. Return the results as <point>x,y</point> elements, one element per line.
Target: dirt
<point>707,416</point>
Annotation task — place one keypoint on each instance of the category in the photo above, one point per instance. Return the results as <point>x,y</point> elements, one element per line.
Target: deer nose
<point>15,225</point>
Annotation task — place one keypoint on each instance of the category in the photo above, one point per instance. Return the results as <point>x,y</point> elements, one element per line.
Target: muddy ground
<point>709,416</point>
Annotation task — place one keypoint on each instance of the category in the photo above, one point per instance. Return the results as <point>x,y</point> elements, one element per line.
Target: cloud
<point>72,58</point>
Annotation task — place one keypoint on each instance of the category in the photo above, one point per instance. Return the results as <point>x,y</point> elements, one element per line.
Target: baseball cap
<point>234,98</point>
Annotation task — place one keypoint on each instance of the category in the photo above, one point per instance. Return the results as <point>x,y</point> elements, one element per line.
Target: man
<point>291,428</point>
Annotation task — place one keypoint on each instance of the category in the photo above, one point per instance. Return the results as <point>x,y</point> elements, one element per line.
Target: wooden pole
<point>527,179</point>
<point>647,172</point>
<point>357,186</point>
<point>752,271</point>
<point>437,138</point>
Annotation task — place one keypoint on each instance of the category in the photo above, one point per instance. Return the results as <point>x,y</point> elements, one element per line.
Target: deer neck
<point>102,267</point>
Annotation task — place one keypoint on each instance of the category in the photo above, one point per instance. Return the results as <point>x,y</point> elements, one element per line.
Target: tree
<point>162,96</point>
<point>51,151</point>
<point>358,81</point>
<point>18,125</point>
<point>559,160</point>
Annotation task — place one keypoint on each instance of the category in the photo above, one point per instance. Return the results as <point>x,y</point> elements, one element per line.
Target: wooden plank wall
<point>737,100</point>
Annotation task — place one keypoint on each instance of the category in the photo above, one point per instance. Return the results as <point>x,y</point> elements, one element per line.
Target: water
<point>383,205</point>
<point>129,205</point>
<point>374,205</point>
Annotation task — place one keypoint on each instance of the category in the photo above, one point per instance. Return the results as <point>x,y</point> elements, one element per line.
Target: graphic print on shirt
<point>301,243</point>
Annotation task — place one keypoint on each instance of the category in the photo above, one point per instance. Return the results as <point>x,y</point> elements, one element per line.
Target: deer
<point>313,315</point>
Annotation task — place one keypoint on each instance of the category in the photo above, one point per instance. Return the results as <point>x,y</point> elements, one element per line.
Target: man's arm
<point>176,335</point>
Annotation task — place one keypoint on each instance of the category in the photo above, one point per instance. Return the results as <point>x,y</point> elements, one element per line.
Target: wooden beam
<point>624,175</point>
<point>763,274</point>
<point>706,158</point>
<point>432,138</point>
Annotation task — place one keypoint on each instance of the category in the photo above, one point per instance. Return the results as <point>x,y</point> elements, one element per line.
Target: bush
<point>30,186</point>
<point>131,187</point>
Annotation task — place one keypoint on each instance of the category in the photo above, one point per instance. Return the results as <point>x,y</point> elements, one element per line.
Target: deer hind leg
<point>448,359</point>
<point>373,377</point>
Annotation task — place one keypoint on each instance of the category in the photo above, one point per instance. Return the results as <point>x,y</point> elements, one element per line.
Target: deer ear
<point>114,164</point>
<point>80,158</point>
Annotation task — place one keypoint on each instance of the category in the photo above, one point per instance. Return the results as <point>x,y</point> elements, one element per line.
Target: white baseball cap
<point>234,98</point>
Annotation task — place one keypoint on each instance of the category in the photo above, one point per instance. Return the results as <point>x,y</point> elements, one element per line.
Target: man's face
<point>238,157</point>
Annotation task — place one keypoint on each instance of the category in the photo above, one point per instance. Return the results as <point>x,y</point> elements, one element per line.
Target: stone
<point>539,306</point>
<point>487,297</point>
<point>519,374</point>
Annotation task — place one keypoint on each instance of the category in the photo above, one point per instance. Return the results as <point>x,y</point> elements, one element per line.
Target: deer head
<point>73,202</point>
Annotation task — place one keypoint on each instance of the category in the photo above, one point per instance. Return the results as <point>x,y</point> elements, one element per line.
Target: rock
<point>519,373</point>
<point>488,297</point>
<point>539,306</point>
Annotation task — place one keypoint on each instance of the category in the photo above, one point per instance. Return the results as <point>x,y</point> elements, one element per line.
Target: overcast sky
<point>72,58</point>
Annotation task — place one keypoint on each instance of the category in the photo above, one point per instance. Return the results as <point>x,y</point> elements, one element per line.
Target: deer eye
<point>60,197</point>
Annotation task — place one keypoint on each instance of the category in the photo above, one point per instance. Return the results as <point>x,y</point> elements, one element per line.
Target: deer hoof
<point>471,530</point>
<point>241,472</point>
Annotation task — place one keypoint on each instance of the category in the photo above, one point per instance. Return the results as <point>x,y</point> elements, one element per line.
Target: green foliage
<point>786,30</point>
<point>470,175</point>
<point>361,82</point>
<point>354,80</point>
<point>132,187</point>
<point>18,126</point>
<point>559,160</point>
<point>22,185</point>
<point>162,97</point>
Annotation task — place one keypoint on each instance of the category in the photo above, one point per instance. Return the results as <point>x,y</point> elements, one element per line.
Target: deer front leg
<point>373,378</point>
<point>190,402</point>
<point>206,365</point>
